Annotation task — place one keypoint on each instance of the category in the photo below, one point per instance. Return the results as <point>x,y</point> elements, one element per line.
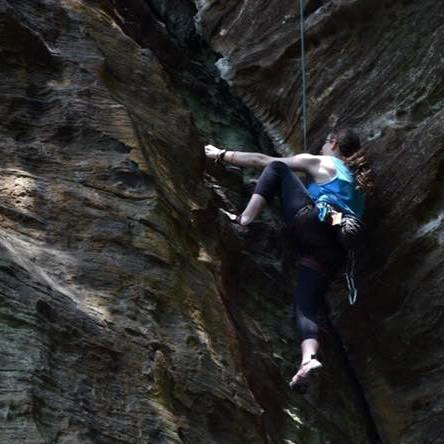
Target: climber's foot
<point>305,372</point>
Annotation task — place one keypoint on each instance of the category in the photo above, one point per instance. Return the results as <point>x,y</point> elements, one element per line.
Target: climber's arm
<point>306,163</point>
<point>238,158</point>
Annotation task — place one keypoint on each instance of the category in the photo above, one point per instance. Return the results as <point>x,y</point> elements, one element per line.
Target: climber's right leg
<point>308,299</point>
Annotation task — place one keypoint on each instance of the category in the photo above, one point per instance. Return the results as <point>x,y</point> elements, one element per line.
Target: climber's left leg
<point>254,207</point>
<point>277,180</point>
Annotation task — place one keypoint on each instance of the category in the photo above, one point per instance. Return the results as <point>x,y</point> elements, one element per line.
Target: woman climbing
<point>322,218</point>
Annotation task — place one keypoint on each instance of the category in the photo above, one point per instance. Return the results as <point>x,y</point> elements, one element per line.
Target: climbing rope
<point>304,86</point>
<point>350,266</point>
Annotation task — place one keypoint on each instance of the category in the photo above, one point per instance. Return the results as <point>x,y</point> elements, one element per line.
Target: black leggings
<point>278,180</point>
<point>308,300</point>
<point>315,239</point>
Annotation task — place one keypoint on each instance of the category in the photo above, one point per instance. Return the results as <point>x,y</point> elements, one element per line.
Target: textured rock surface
<point>129,311</point>
<point>377,66</point>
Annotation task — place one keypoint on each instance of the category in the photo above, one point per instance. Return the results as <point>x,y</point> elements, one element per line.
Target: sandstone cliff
<point>130,310</point>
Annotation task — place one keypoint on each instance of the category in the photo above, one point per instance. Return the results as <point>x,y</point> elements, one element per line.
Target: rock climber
<point>318,217</point>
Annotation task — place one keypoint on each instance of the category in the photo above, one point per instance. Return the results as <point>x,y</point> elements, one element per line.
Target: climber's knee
<point>277,165</point>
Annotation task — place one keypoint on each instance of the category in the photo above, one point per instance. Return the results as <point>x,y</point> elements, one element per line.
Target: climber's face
<point>330,146</point>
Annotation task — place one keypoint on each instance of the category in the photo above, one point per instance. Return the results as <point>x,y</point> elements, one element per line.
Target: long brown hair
<point>354,157</point>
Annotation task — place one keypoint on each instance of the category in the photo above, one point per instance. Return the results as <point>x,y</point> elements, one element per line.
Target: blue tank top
<point>340,191</point>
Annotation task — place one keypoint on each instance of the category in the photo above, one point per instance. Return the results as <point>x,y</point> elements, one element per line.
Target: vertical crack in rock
<point>372,427</point>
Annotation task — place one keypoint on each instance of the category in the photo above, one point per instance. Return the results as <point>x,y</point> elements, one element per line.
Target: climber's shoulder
<point>307,163</point>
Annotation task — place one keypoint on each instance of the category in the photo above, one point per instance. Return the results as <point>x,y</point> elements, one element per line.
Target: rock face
<point>130,310</point>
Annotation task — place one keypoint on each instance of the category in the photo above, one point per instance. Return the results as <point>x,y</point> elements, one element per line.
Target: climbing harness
<point>304,87</point>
